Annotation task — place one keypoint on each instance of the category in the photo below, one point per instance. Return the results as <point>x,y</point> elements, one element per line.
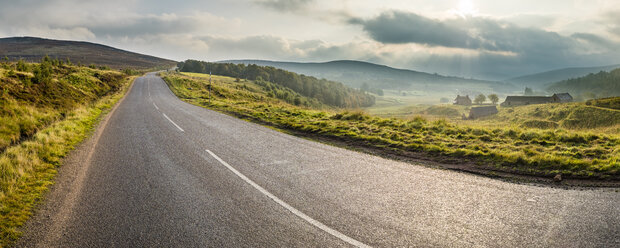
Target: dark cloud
<point>400,27</point>
<point>397,27</point>
<point>595,39</point>
<point>502,48</point>
<point>284,5</point>
<point>155,24</point>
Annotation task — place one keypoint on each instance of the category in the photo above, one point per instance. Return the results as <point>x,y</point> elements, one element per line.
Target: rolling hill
<point>327,92</point>
<point>543,79</point>
<point>357,73</point>
<point>32,49</point>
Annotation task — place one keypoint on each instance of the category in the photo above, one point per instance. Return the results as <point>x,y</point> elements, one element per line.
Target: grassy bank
<point>42,120</point>
<point>533,151</point>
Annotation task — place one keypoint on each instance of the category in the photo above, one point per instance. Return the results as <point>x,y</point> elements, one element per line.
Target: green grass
<point>597,116</point>
<point>609,102</point>
<point>576,116</point>
<point>40,125</point>
<point>511,148</point>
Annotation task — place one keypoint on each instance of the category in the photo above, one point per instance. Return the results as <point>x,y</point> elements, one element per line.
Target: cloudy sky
<point>486,39</point>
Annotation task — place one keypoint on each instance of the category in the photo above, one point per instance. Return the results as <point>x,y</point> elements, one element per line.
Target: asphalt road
<point>163,173</point>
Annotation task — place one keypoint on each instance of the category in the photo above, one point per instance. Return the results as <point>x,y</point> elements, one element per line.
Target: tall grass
<point>37,131</point>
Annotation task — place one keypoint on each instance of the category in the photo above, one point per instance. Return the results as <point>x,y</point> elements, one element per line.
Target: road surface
<point>163,173</point>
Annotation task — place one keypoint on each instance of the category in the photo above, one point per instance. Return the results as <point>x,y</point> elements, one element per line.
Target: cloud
<point>495,43</point>
<point>262,46</point>
<point>399,27</point>
<point>473,46</point>
<point>612,20</point>
<point>134,25</point>
<point>395,27</point>
<point>284,5</point>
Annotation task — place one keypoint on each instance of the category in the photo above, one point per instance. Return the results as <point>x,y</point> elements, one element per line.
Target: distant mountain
<point>33,49</point>
<point>357,73</point>
<point>601,84</point>
<point>541,80</point>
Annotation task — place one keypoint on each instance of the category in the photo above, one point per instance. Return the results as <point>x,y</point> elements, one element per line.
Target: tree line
<point>602,84</point>
<point>328,92</point>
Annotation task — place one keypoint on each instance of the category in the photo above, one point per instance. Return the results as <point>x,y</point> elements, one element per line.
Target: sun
<point>466,8</point>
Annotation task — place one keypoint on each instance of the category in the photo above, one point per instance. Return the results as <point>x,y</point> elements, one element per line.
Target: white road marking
<point>173,122</point>
<point>293,210</point>
<point>155,106</point>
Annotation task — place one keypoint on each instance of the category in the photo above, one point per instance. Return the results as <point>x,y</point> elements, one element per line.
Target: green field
<point>597,116</point>
<point>45,110</point>
<point>515,148</point>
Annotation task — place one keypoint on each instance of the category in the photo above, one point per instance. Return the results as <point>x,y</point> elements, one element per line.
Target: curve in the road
<point>151,182</point>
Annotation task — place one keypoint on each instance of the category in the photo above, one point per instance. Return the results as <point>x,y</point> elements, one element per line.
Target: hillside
<point>35,95</point>
<point>570,116</point>
<point>601,115</point>
<point>357,73</point>
<point>46,109</point>
<point>32,49</point>
<point>602,84</point>
<point>541,80</point>
<point>327,92</point>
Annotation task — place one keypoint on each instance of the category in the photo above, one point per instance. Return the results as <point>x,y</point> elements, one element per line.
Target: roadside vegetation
<point>572,149</point>
<point>600,116</point>
<point>46,109</point>
<point>274,80</point>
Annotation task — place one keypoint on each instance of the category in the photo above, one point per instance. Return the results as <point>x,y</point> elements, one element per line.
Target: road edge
<point>45,225</point>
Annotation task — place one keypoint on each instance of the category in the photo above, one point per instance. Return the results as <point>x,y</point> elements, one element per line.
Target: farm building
<point>477,112</point>
<point>562,97</point>
<point>527,100</point>
<point>462,100</point>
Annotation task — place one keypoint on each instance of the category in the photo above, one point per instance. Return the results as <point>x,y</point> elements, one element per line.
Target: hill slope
<point>327,92</point>
<point>602,84</point>
<point>32,49</point>
<point>46,109</point>
<point>356,73</point>
<point>540,80</point>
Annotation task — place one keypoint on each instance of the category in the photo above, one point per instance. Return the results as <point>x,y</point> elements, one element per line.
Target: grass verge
<point>28,168</point>
<point>517,150</point>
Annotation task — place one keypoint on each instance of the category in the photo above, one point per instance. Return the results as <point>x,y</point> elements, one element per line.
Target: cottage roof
<point>564,96</point>
<point>477,112</point>
<point>528,98</point>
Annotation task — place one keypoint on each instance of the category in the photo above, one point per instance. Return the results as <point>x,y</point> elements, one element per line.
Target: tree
<point>43,73</point>
<point>494,98</point>
<point>480,99</point>
<point>528,91</point>
<point>21,65</point>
